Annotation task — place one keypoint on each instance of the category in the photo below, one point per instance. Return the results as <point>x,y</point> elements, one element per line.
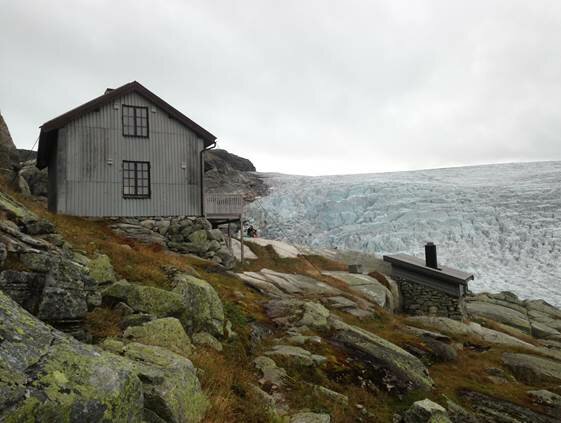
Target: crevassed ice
<point>502,222</point>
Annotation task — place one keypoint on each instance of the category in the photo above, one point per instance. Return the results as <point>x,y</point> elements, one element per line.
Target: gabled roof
<point>415,264</point>
<point>48,129</point>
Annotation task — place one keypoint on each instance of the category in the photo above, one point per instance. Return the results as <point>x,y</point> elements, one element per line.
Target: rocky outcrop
<point>533,317</point>
<point>227,173</point>
<point>397,369</point>
<point>49,281</point>
<point>282,249</point>
<point>45,373</point>
<point>221,160</point>
<point>369,287</point>
<point>8,152</point>
<point>500,314</point>
<point>550,401</point>
<point>490,409</point>
<point>532,369</point>
<point>455,327</point>
<point>275,283</point>
<point>283,285</point>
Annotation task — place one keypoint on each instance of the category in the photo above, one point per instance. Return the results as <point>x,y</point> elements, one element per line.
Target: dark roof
<point>417,265</point>
<point>48,129</point>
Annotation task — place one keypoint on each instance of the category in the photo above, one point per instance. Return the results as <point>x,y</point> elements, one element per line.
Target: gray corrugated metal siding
<point>91,184</point>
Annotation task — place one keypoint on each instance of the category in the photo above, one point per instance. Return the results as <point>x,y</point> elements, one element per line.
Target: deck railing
<point>224,205</point>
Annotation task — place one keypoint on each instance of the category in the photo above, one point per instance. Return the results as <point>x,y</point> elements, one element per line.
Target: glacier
<point>502,222</point>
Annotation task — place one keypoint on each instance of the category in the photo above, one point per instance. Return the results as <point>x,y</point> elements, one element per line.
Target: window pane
<point>136,179</point>
<point>135,121</point>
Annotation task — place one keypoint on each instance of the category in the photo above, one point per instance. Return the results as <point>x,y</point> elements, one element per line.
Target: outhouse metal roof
<point>418,265</point>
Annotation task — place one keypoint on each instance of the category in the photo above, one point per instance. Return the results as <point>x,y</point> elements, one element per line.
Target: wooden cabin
<point>129,153</point>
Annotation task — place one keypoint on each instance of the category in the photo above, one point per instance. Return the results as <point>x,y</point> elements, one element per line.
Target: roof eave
<point>134,86</point>
<point>438,274</point>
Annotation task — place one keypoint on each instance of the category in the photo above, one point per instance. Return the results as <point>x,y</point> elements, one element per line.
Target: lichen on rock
<point>145,299</point>
<point>203,310</point>
<point>166,332</point>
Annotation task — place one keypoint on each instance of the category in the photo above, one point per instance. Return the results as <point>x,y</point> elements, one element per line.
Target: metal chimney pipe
<point>430,255</point>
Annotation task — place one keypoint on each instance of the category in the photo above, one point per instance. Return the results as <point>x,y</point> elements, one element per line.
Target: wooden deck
<point>226,207</point>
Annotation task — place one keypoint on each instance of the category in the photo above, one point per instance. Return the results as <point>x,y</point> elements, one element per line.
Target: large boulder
<point>36,179</point>
<point>144,299</point>
<point>46,376</point>
<point>202,308</point>
<point>55,289</point>
<point>172,392</point>
<point>166,332</point>
<point>532,369</point>
<point>397,368</point>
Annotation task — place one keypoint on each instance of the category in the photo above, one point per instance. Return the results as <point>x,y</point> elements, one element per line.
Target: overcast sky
<point>307,87</point>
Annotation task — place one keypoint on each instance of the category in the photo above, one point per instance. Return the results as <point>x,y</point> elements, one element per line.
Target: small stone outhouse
<point>426,288</point>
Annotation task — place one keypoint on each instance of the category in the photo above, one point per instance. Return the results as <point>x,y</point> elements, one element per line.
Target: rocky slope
<point>101,326</point>
<point>8,153</point>
<point>227,173</point>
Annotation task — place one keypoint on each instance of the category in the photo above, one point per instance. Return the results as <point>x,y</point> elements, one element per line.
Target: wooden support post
<point>241,239</point>
<point>229,237</point>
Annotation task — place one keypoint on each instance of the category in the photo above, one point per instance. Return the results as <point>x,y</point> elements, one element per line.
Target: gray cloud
<point>311,87</point>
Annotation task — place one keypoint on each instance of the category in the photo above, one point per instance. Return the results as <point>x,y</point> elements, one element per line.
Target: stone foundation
<point>183,234</point>
<point>421,300</point>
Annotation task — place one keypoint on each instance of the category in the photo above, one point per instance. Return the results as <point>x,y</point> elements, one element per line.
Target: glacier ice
<point>501,222</point>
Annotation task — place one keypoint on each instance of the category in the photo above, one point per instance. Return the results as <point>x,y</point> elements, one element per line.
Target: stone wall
<point>183,234</point>
<point>421,300</point>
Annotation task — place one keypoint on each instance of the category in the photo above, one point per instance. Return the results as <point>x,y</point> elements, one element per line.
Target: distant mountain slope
<point>502,222</point>
<point>8,152</point>
<point>227,173</point>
